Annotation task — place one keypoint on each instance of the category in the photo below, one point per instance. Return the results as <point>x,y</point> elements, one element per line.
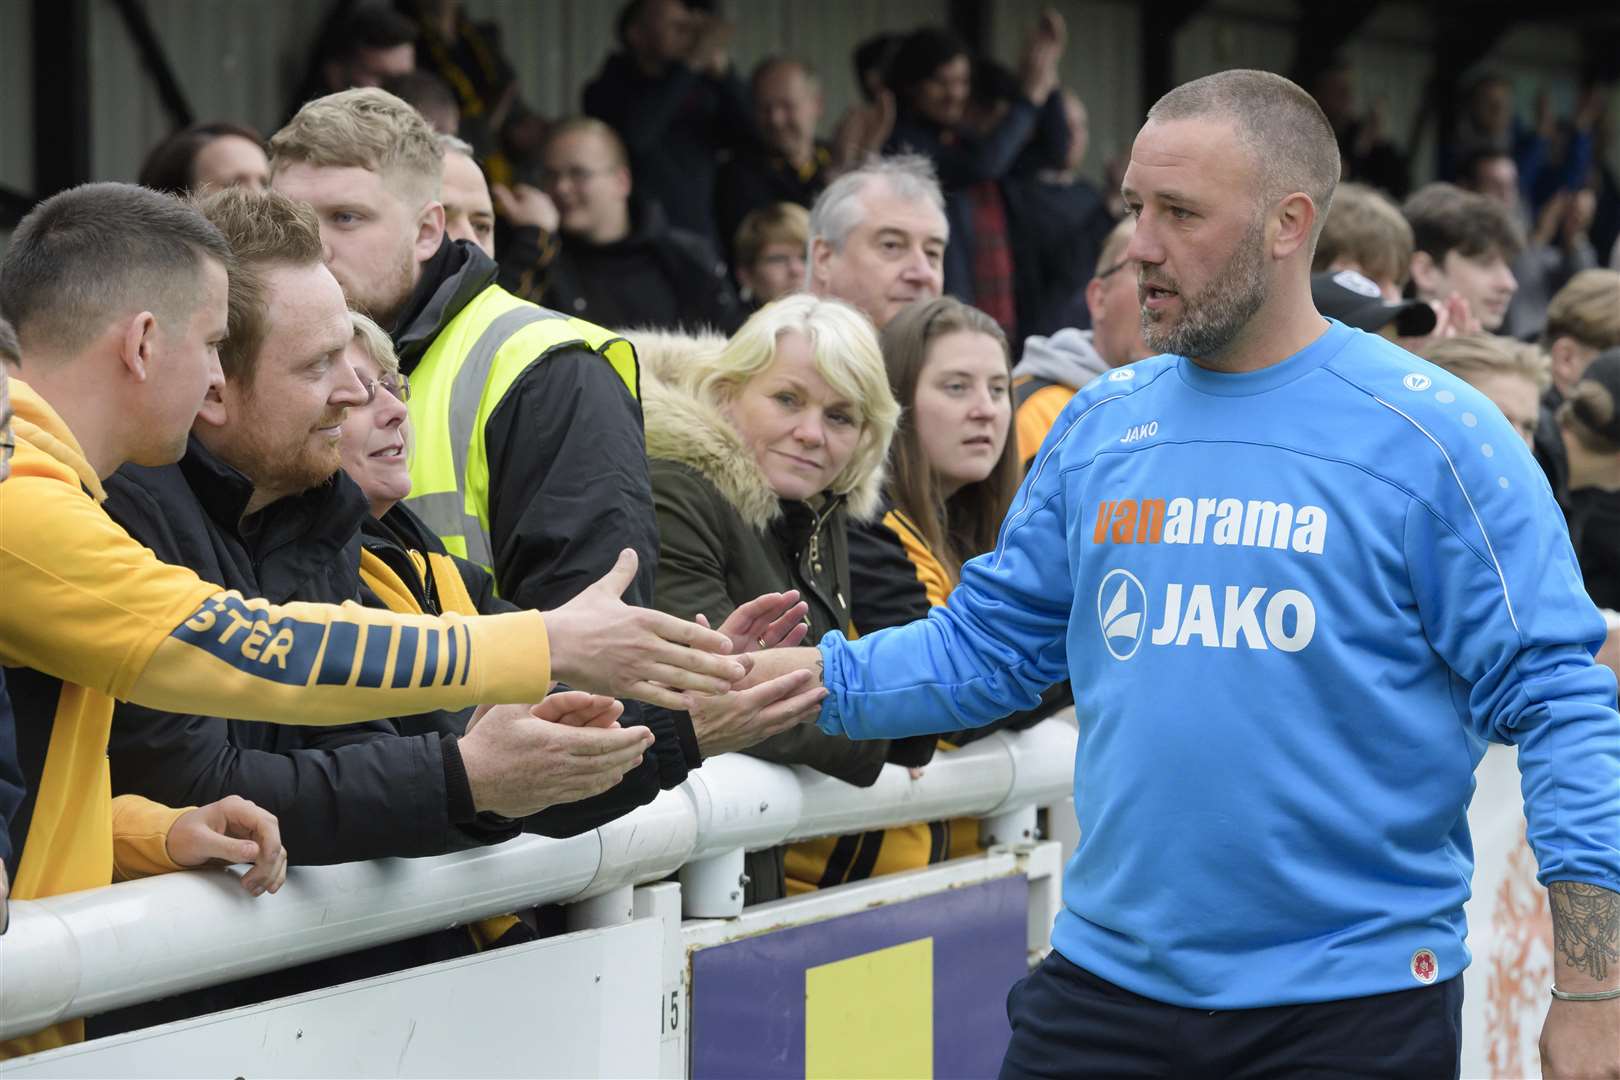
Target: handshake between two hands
<point>521,759</point>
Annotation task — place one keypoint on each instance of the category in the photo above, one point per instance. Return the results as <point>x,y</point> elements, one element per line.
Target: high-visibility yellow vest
<point>459,384</point>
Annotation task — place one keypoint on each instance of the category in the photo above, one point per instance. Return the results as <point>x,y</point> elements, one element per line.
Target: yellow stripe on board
<point>871,1015</point>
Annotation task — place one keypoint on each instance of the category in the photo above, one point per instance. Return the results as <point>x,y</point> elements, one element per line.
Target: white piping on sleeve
<point>1489,547</point>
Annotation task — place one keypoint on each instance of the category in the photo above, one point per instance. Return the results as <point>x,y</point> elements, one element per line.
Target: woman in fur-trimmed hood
<point>760,449</point>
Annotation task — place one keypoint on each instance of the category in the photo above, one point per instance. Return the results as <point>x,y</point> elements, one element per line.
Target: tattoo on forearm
<point>1586,927</point>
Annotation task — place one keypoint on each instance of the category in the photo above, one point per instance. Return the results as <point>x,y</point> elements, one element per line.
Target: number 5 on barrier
<point>669,1018</point>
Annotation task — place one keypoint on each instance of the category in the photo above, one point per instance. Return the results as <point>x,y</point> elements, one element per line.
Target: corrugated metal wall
<point>557,47</point>
<point>1101,64</point>
<point>234,61</point>
<point>16,97</point>
<point>238,59</point>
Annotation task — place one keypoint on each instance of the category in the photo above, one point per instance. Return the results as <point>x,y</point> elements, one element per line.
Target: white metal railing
<point>85,953</point>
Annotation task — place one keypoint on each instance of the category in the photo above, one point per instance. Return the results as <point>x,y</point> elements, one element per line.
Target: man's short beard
<point>284,466</point>
<point>384,302</point>
<point>1214,317</point>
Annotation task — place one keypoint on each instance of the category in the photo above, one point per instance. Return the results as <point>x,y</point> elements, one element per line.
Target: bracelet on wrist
<point>1598,995</point>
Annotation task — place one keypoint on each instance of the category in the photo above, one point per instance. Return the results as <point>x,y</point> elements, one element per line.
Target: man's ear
<point>1094,297</point>
<point>1428,278</point>
<point>1570,360</point>
<point>429,231</point>
<point>136,345</point>
<point>1560,352</point>
<point>817,274</point>
<point>1293,218</point>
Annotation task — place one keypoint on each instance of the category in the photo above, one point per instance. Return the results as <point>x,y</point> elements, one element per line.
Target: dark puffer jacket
<point>725,537</point>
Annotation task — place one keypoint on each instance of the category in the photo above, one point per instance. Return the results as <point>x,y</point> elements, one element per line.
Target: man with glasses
<point>621,262</point>
<point>1053,368</point>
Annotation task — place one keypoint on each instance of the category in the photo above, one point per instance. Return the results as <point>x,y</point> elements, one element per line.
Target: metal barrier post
<point>712,888</point>
<point>1011,828</point>
<point>612,908</point>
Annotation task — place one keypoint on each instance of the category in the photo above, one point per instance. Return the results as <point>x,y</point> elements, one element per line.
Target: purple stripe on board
<point>748,996</point>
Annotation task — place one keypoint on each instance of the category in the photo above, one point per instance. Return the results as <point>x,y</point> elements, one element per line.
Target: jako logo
<point>1247,618</point>
<point>1122,613</point>
<point>1138,432</point>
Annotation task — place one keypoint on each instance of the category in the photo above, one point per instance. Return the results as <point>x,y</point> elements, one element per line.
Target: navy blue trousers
<point>1066,1022</point>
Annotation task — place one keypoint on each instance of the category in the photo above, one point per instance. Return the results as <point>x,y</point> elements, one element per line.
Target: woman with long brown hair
<point>953,471</point>
<point>954,466</point>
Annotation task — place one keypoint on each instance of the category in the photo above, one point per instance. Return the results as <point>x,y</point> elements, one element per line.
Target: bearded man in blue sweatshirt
<point>1299,579</point>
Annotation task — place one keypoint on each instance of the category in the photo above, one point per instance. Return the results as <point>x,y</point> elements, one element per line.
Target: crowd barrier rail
<point>89,952</point>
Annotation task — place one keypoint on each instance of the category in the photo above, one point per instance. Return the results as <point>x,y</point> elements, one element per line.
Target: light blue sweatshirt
<point>1294,604</point>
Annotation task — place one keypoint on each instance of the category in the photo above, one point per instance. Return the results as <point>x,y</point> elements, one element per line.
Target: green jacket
<point>725,538</point>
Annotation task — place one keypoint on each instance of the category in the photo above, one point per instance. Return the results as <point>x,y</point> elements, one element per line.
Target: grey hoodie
<point>1067,357</point>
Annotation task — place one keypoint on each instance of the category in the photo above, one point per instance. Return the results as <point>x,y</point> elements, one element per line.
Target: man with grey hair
<point>1299,578</point>
<point>878,236</point>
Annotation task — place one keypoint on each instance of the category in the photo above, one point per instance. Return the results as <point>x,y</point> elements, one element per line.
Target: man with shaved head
<point>1303,577</point>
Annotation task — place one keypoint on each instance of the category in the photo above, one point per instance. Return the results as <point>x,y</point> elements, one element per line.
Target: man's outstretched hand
<point>521,759</point>
<point>603,645</point>
<point>741,718</point>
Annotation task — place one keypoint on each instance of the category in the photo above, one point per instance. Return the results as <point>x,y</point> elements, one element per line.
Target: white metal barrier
<point>89,952</point>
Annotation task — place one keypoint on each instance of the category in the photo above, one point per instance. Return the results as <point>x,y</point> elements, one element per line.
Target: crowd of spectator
<point>430,351</point>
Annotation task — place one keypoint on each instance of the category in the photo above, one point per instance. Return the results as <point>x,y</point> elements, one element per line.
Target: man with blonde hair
<point>519,411</point>
<point>259,504</point>
<point>529,458</point>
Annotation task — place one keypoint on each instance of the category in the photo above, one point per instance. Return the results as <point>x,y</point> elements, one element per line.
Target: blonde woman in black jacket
<point>760,449</point>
